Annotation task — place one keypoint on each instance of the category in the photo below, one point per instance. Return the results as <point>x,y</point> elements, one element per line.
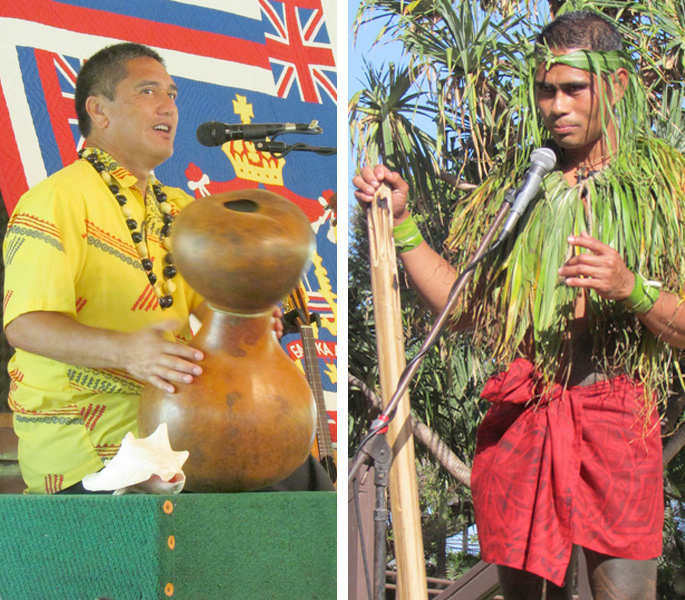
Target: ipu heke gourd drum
<point>249,420</point>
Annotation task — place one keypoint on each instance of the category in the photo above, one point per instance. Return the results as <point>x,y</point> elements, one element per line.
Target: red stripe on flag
<point>122,27</point>
<point>307,3</point>
<point>12,181</point>
<point>310,28</point>
<point>273,17</point>
<point>286,80</point>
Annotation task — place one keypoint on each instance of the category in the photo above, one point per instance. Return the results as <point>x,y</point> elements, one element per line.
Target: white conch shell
<point>146,465</point>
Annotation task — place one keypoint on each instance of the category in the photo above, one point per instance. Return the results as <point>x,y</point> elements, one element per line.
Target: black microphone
<point>215,133</point>
<point>542,161</point>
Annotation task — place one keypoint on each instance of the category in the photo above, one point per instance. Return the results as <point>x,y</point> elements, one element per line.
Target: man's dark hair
<point>582,29</point>
<point>101,74</point>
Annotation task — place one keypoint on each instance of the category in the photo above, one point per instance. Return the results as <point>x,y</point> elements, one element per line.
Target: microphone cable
<point>380,423</point>
<point>281,149</point>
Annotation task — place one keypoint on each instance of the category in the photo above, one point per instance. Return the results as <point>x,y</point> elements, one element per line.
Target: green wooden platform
<point>184,547</point>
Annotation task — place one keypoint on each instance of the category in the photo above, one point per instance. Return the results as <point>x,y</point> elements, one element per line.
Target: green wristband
<point>643,296</point>
<point>407,235</point>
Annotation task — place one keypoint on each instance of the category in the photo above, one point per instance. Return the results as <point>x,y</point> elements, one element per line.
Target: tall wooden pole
<point>404,497</point>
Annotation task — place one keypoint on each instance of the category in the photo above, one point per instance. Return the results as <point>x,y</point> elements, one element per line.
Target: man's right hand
<point>146,354</point>
<point>149,356</point>
<point>369,180</point>
<point>429,273</point>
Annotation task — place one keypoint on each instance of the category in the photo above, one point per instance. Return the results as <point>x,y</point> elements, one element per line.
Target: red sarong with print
<point>581,466</point>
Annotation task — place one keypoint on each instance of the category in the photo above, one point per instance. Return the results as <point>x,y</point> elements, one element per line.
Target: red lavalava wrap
<point>581,466</point>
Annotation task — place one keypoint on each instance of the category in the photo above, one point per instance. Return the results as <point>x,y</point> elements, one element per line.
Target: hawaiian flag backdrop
<point>237,61</point>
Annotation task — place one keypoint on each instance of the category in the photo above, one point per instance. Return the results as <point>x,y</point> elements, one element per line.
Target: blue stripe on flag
<point>183,15</point>
<point>39,113</point>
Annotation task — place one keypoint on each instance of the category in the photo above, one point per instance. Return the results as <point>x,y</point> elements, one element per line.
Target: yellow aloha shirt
<point>68,249</point>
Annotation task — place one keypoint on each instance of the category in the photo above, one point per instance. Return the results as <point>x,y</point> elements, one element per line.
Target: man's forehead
<point>145,64</point>
<point>144,70</point>
<point>562,73</point>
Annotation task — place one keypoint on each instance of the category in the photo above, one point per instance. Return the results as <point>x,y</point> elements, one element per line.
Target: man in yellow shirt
<point>92,300</point>
<point>93,303</point>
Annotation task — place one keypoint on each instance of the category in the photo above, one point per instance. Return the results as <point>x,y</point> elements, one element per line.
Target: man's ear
<point>619,79</point>
<point>97,111</point>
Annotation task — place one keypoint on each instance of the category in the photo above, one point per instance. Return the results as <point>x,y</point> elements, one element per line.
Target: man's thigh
<point>520,585</point>
<point>620,578</point>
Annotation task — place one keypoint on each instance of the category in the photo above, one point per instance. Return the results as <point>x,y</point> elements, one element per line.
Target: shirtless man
<point>544,480</point>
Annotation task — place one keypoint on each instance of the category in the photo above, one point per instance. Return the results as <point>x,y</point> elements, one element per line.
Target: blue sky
<point>367,33</point>
<point>382,53</point>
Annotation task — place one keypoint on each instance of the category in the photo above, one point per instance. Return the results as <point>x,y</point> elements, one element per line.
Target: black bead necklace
<point>163,291</point>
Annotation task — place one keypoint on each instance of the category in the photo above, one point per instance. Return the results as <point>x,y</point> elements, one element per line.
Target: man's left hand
<point>278,322</point>
<point>601,269</point>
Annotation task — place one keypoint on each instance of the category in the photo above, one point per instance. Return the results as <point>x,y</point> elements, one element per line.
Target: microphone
<point>542,161</point>
<point>215,133</point>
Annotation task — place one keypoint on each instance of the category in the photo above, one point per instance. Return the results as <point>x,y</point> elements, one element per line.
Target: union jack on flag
<point>298,52</point>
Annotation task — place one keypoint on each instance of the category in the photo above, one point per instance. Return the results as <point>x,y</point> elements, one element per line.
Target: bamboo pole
<point>404,496</point>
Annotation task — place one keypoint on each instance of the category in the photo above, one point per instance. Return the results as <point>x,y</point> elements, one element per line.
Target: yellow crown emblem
<point>252,164</point>
<point>248,162</point>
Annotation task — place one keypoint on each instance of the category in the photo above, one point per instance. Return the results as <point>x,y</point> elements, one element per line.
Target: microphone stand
<point>379,451</point>
<point>279,149</point>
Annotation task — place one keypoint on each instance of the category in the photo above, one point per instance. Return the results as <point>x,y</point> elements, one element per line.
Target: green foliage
<point>382,127</point>
<point>671,578</point>
<point>642,209</point>
<point>459,563</point>
<point>363,358</point>
<point>446,511</point>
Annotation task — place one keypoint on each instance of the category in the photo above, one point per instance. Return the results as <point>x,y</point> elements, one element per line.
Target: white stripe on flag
<point>244,8</point>
<point>20,115</point>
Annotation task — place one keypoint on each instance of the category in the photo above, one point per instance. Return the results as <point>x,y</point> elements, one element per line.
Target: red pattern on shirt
<point>54,483</point>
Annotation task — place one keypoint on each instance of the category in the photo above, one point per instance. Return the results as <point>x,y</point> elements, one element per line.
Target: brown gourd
<point>249,420</point>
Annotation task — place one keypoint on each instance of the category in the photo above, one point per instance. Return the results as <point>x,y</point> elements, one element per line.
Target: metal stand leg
<point>381,455</point>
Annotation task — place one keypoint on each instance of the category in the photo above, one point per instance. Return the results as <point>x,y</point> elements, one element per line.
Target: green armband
<point>643,296</point>
<point>407,235</point>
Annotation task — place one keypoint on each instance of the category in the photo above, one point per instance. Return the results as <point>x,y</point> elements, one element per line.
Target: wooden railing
<point>435,585</point>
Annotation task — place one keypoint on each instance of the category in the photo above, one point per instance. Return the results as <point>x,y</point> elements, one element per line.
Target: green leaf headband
<point>594,61</point>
